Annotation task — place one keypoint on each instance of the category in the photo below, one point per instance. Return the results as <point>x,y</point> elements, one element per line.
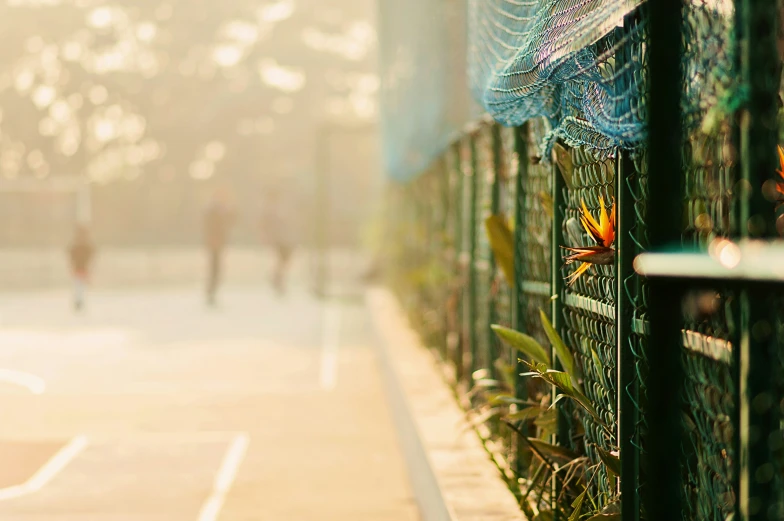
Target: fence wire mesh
<point>536,209</point>
<point>573,74</point>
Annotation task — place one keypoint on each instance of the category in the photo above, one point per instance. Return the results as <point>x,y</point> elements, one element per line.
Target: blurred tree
<point>151,100</point>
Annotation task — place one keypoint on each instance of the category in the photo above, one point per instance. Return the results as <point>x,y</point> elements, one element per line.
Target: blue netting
<point>580,63</point>
<point>557,59</point>
<point>424,97</point>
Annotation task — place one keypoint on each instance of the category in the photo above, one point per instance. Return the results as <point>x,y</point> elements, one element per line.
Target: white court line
<point>34,384</point>
<point>225,477</point>
<point>50,469</point>
<point>329,347</point>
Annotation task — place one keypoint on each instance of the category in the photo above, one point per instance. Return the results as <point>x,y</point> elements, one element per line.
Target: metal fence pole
<point>473,305</point>
<point>459,235</point>
<point>518,302</point>
<point>518,295</point>
<point>557,286</point>
<point>760,71</point>
<point>628,382</point>
<point>492,340</point>
<point>664,489</point>
<point>445,245</point>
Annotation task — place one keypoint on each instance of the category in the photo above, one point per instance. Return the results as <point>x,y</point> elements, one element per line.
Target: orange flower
<point>602,232</point>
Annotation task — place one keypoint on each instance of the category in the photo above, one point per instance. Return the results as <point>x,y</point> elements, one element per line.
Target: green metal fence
<point>684,367</point>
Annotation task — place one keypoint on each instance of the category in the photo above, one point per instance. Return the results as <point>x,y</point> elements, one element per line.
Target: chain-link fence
<point>542,180</point>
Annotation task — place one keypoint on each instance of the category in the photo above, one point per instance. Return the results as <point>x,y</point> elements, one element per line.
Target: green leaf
<point>547,423</point>
<point>564,161</point>
<point>605,517</point>
<point>561,351</point>
<point>495,396</point>
<point>559,398</point>
<point>556,453</point>
<point>578,505</point>
<point>487,383</point>
<point>546,200</point>
<point>506,398</point>
<point>564,383</point>
<point>610,460</point>
<point>484,417</point>
<point>525,414</point>
<point>480,374</point>
<point>507,372</point>
<point>502,243</point>
<point>599,367</point>
<point>523,343</point>
<point>544,515</point>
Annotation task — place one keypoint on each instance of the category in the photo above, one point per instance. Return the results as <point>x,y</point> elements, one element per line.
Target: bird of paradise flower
<point>602,232</point>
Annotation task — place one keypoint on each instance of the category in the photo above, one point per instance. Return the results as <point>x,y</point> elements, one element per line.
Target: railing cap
<point>749,261</point>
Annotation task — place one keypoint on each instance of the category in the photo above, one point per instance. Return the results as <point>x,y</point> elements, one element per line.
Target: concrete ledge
<point>452,475</point>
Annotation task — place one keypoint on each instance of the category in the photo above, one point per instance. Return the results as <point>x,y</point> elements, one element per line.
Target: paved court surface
<point>150,407</point>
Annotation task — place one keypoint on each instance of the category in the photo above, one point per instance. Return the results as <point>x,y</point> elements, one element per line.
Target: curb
<point>451,473</point>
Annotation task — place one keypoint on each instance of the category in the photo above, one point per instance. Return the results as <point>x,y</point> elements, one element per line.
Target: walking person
<point>80,252</point>
<point>217,222</point>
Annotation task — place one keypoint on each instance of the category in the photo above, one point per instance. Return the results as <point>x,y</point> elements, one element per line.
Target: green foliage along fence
<point>593,454</point>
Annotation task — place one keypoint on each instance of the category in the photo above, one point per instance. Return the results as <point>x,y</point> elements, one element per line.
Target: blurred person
<point>218,219</point>
<point>277,229</point>
<point>80,252</point>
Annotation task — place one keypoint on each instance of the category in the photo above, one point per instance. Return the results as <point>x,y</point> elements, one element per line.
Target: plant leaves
<point>561,351</point>
<point>486,383</point>
<point>564,383</point>
<point>578,505</point>
<point>556,453</point>
<point>558,399</point>
<point>544,515</point>
<point>525,414</point>
<point>605,517</point>
<point>523,343</point>
<point>564,161</point>
<point>547,423</point>
<point>506,398</point>
<point>486,416</point>
<point>496,397</point>
<point>599,367</point>
<point>502,242</point>
<point>480,374</point>
<point>610,460</point>
<point>546,200</point>
<point>507,372</point>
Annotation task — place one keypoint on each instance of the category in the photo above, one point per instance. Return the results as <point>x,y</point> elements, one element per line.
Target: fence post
<point>760,72</point>
<point>446,244</point>
<point>628,382</point>
<point>518,304</point>
<point>664,488</point>
<point>459,232</point>
<point>628,415</point>
<point>495,208</point>
<point>473,337</point>
<point>557,285</point>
